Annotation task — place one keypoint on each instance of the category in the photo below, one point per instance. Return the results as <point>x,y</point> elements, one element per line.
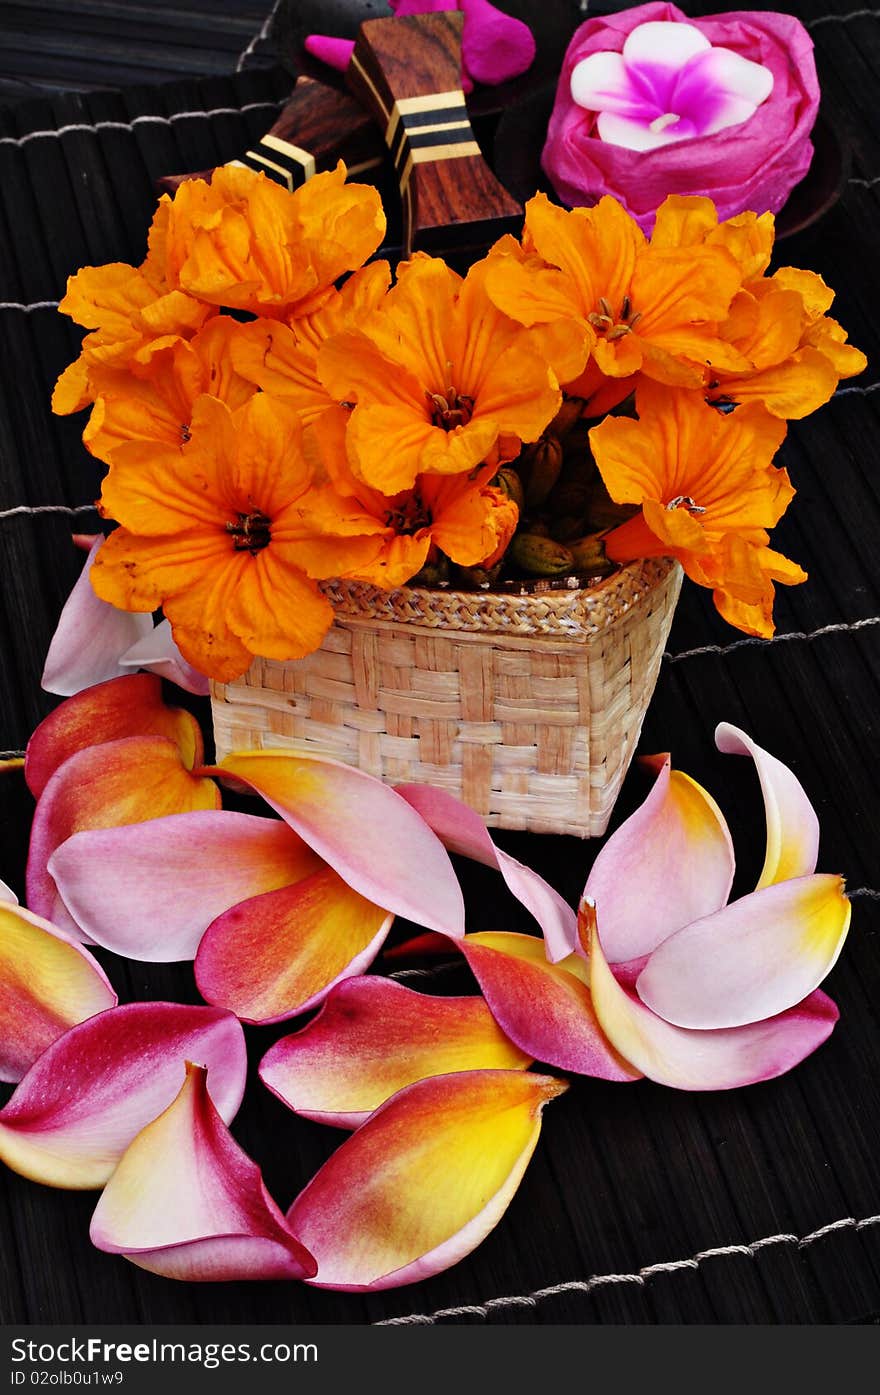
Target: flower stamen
<point>250,532</point>
<point>684,501</point>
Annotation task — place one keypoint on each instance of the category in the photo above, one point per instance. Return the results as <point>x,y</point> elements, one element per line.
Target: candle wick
<point>660,123</point>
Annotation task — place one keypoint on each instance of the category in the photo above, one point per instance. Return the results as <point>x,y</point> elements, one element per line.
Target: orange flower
<point>283,359</point>
<point>741,576</point>
<point>440,380</point>
<point>462,515</point>
<point>794,354</point>
<point>707,487</point>
<point>156,405</point>
<point>244,242</point>
<point>598,289</point>
<point>219,534</point>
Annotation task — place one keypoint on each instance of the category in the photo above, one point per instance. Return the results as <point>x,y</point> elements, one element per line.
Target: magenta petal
<point>90,638</point>
<point>158,652</point>
<point>186,1202</point>
<point>88,1095</point>
<point>462,831</point>
<point>336,53</point>
<point>132,889</point>
<point>495,47</point>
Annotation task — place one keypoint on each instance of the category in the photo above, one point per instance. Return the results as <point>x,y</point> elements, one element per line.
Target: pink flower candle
<point>650,104</point>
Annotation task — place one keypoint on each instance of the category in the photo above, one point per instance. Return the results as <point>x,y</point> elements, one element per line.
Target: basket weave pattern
<point>526,707</point>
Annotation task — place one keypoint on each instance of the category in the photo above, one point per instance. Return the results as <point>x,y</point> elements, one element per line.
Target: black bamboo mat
<point>641,1205</point>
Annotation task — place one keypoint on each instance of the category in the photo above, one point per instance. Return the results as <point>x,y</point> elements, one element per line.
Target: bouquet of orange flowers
<point>275,413</point>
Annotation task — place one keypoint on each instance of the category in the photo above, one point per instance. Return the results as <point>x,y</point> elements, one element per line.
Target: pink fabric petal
<point>495,46</point>
<point>90,638</point>
<point>279,954</point>
<point>336,53</point>
<point>792,825</point>
<point>187,1202</point>
<point>705,1060</point>
<point>88,1095</point>
<point>48,983</point>
<point>120,782</point>
<point>158,652</point>
<point>133,890</point>
<point>423,1181</point>
<point>362,829</point>
<point>372,1038</point>
<point>127,706</point>
<point>671,862</point>
<point>462,831</point>
<point>544,1008</point>
<point>663,44</point>
<point>751,960</point>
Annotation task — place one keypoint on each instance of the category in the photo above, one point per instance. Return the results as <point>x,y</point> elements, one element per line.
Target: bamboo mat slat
<point>641,1205</point>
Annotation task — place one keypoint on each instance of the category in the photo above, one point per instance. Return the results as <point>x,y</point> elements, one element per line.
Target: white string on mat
<point>865,183</point>
<point>27,510</point>
<point>844,627</point>
<point>28,309</point>
<point>840,19</point>
<point>640,1277</point>
<point>867,891</point>
<point>261,34</point>
<point>861,388</point>
<point>136,121</point>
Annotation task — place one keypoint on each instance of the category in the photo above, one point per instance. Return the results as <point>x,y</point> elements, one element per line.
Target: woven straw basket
<point>527,707</point>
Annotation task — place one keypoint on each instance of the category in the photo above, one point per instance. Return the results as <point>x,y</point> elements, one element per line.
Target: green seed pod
<point>433,573</point>
<point>544,462</point>
<point>509,482</point>
<point>476,578</point>
<point>589,555</point>
<point>567,417</point>
<point>539,556</point>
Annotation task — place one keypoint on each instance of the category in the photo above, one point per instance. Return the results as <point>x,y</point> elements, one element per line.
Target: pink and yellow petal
<point>87,1096</point>
<point>367,832</point>
<point>671,862</point>
<point>186,1201</point>
<point>279,954</point>
<point>133,890</point>
<point>423,1181</point>
<point>792,825</point>
<point>372,1038</point>
<point>48,983</point>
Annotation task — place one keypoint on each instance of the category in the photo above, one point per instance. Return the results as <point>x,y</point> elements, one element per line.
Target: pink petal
<point>88,1095</point>
<point>751,960</point>
<point>600,82</point>
<point>363,829</point>
<point>663,44</point>
<point>633,134</point>
<point>700,1060</point>
<point>544,1008</point>
<point>372,1038</point>
<point>132,888</point>
<point>158,652</point>
<point>737,77</point>
<point>90,638</point>
<point>127,706</point>
<point>462,831</point>
<point>336,53</point>
<point>186,1202</point>
<point>7,894</point>
<point>495,47</point>
<point>121,782</point>
<point>48,983</point>
<point>792,825</point>
<point>671,862</point>
<point>279,954</point>
<point>423,1181</point>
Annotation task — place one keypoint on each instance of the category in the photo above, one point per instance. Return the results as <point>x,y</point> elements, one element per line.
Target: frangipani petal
<point>279,954</point>
<point>88,1095</point>
<point>751,960</point>
<point>7,894</point>
<point>671,862</point>
<point>701,1060</point>
<point>462,831</point>
<point>372,1038</point>
<point>48,983</point>
<point>129,706</point>
<point>90,637</point>
<point>121,782</point>
<point>423,1181</point>
<point>150,890</point>
<point>545,1008</point>
<point>157,651</point>
<point>362,828</point>
<point>186,1202</point>
<point>792,825</point>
